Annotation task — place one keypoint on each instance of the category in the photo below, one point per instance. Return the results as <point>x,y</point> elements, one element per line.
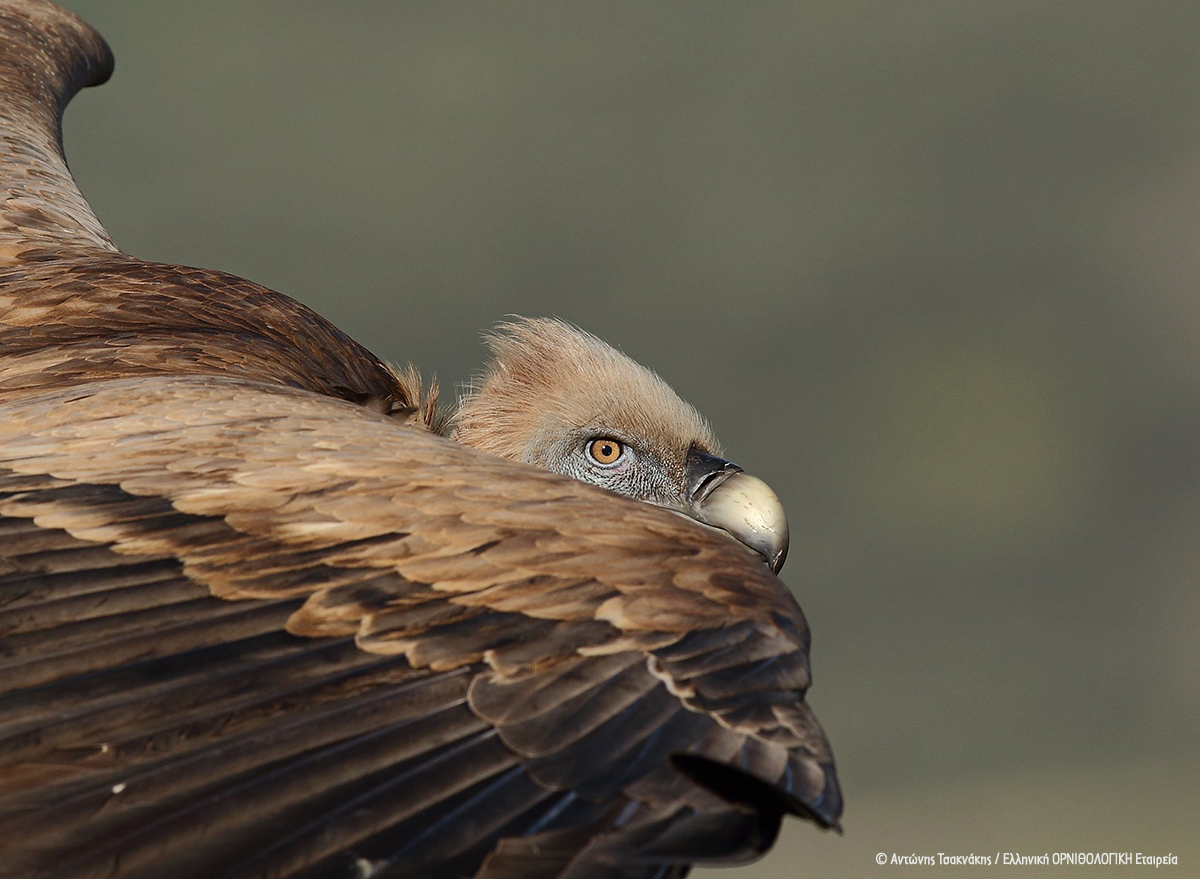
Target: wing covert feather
<point>302,473</point>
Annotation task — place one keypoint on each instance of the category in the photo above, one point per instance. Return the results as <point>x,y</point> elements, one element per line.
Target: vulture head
<point>558,398</point>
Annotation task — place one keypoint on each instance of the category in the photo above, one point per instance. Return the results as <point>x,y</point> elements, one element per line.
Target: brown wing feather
<point>310,516</point>
<point>75,309</point>
<point>101,316</point>
<point>316,475</point>
<point>46,56</point>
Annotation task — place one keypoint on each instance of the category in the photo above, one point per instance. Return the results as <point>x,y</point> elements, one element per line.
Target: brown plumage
<point>258,617</point>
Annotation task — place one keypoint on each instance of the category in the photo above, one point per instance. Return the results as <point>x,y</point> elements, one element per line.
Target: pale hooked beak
<point>722,495</point>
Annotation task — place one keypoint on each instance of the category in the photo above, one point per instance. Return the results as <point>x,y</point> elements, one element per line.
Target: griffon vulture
<point>260,616</point>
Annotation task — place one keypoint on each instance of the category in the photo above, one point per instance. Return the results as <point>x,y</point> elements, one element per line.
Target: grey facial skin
<point>712,490</point>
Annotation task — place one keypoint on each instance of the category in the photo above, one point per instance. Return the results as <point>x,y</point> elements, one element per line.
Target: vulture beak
<point>722,495</point>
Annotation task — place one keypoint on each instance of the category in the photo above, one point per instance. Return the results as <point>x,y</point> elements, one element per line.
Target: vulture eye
<point>605,451</point>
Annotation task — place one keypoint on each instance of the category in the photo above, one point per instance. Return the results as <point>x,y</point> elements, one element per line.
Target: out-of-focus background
<point>931,268</point>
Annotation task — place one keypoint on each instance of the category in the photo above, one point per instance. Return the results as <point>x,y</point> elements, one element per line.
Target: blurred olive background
<point>931,268</point>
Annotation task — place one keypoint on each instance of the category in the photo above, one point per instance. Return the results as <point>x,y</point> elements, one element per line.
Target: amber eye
<point>605,451</point>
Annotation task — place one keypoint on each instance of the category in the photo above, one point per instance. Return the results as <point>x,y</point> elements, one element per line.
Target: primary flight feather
<point>264,611</point>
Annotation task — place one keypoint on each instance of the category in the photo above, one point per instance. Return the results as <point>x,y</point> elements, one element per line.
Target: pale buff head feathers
<point>548,378</point>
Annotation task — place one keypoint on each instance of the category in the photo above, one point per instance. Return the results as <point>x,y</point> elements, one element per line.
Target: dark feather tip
<point>740,788</point>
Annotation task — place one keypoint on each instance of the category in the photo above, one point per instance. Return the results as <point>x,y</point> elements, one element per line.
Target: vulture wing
<point>250,626</point>
<point>249,630</point>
